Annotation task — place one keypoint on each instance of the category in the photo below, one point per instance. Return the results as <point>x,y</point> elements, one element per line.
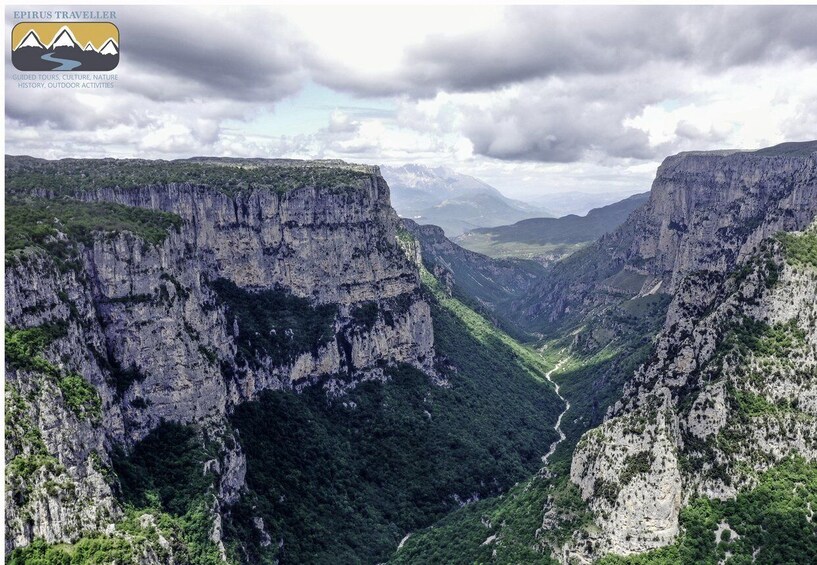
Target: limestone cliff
<point>706,211</point>
<point>728,390</point>
<point>492,283</point>
<point>162,330</point>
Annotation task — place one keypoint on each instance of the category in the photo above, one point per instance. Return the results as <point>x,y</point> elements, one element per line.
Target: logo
<point>65,46</point>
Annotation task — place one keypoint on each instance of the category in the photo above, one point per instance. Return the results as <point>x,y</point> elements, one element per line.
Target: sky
<point>532,99</point>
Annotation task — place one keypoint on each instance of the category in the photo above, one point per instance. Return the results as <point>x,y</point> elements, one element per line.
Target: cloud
<point>563,84</point>
<point>536,129</point>
<point>689,131</point>
<point>340,122</point>
<point>38,108</point>
<point>80,123</point>
<point>535,42</point>
<point>539,87</point>
<point>252,55</point>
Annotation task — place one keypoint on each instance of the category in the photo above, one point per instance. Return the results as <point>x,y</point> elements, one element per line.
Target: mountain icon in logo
<point>31,40</point>
<point>64,39</point>
<point>110,48</point>
<point>64,51</point>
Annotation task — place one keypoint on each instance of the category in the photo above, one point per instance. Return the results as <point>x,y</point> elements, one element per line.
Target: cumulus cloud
<point>251,55</point>
<point>539,86</point>
<point>534,42</point>
<point>555,123</point>
<point>582,74</point>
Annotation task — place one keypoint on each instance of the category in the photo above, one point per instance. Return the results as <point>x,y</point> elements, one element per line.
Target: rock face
<point>493,283</point>
<point>151,328</point>
<point>729,388</point>
<point>329,244</point>
<point>706,211</point>
<point>709,211</point>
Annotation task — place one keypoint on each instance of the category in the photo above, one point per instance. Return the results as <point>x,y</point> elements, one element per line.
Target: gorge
<point>258,361</point>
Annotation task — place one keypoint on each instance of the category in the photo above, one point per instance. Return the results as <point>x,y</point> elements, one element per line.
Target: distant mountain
<point>577,202</point>
<point>548,239</point>
<point>491,285</point>
<point>453,201</point>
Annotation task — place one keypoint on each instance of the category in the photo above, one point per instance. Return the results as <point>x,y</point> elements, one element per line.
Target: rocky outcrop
<point>629,472</point>
<point>707,211</point>
<point>145,324</point>
<point>710,211</point>
<point>728,390</point>
<point>727,394</point>
<point>329,244</point>
<point>493,283</point>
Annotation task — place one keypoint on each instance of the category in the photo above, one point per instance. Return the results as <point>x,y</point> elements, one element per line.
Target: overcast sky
<point>530,99</point>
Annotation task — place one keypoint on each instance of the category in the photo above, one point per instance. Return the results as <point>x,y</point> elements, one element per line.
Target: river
<point>66,64</point>
<point>558,426</point>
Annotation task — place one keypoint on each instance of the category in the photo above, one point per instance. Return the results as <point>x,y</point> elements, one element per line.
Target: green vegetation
<point>455,316</point>
<point>365,315</point>
<point>80,396</point>
<point>487,286</point>
<point>93,549</point>
<point>165,476</point>
<point>137,534</point>
<point>403,236</point>
<point>608,351</point>
<point>166,493</point>
<point>638,464</point>
<point>166,467</point>
<point>772,523</point>
<point>343,480</point>
<point>490,245</point>
<point>506,524</point>
<point>21,435</point>
<point>30,468</point>
<point>605,353</point>
<point>70,177</point>
<point>25,447</point>
<point>37,223</point>
<point>626,281</point>
<point>28,455</point>
<point>750,404</point>
<point>24,348</point>
<point>756,336</point>
<point>275,322</point>
<point>22,468</point>
<point>800,248</point>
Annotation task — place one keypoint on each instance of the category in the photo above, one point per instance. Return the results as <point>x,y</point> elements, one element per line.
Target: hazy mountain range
<point>459,203</point>
<point>451,200</point>
<point>577,202</point>
<point>547,239</point>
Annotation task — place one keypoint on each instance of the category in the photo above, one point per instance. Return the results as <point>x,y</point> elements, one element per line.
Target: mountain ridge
<point>549,239</point>
<point>454,201</point>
